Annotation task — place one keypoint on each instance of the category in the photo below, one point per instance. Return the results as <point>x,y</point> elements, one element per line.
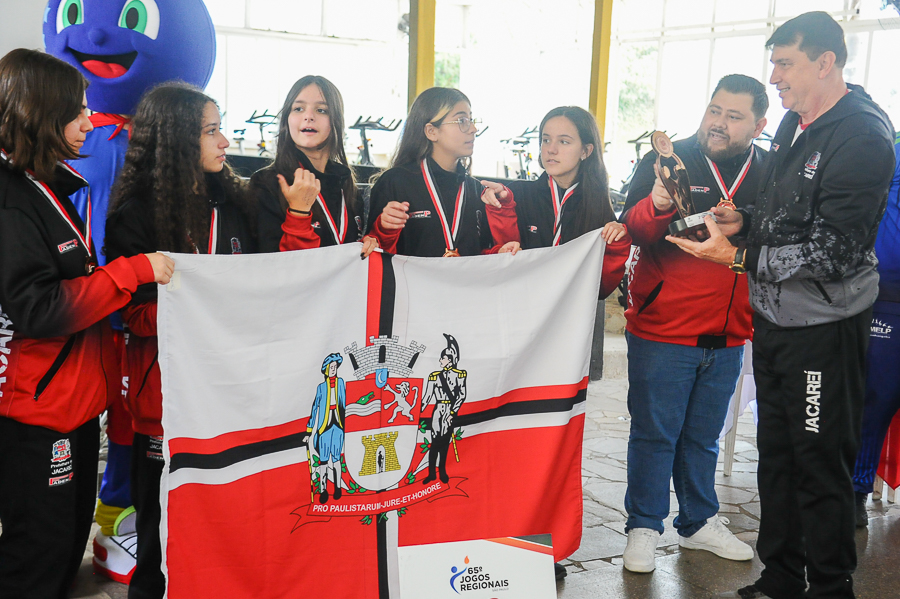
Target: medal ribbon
<point>85,238</point>
<point>728,194</point>
<point>449,235</point>
<point>339,237</point>
<point>214,231</point>
<point>558,207</point>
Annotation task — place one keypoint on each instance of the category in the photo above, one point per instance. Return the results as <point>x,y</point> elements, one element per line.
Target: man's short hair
<point>817,32</point>
<point>742,84</point>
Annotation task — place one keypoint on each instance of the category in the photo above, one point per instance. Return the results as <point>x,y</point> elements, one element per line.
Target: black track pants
<point>810,385</point>
<point>48,489</point>
<point>148,581</point>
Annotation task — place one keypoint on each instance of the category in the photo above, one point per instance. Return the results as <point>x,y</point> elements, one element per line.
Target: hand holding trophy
<point>674,177</point>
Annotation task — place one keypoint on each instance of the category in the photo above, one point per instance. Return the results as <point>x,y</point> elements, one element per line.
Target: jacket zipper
<point>651,297</point>
<point>147,374</point>
<point>730,304</point>
<point>821,289</point>
<point>54,368</point>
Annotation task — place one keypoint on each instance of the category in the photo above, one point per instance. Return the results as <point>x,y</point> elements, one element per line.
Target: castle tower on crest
<point>372,443</point>
<point>384,353</point>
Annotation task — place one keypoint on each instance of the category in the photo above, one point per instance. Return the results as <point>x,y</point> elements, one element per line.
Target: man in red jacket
<point>687,324</point>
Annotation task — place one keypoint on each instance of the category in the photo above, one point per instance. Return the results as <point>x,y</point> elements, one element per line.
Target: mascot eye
<point>141,16</point>
<point>70,12</point>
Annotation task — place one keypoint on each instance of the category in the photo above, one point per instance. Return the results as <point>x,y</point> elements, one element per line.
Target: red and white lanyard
<point>728,194</point>
<point>558,207</point>
<point>449,234</point>
<point>338,237</point>
<point>42,187</point>
<point>214,231</point>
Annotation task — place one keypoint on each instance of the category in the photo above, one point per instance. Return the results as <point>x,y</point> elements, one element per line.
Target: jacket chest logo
<point>420,214</point>
<point>532,229</point>
<point>67,246</point>
<point>316,225</point>
<point>812,163</point>
<point>699,189</point>
<point>236,246</point>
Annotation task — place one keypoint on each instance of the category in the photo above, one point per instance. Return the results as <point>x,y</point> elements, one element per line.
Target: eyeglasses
<point>465,123</point>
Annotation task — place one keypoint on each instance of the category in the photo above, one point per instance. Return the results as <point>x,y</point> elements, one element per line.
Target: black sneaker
<point>862,516</point>
<point>748,592</point>
<point>560,571</point>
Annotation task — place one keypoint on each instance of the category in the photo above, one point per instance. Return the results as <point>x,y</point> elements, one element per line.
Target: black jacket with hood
<point>810,246</point>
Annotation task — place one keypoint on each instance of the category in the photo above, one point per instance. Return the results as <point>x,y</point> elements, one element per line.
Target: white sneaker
<point>716,538</point>
<point>640,552</point>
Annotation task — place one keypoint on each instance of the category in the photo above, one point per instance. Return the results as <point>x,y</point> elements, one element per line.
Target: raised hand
<point>394,215</point>
<point>303,193</point>
<point>493,193</point>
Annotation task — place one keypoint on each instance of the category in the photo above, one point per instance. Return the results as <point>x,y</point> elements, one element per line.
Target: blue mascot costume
<point>123,48</point>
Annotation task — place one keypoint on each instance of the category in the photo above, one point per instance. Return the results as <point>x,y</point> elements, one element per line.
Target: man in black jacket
<point>809,253</point>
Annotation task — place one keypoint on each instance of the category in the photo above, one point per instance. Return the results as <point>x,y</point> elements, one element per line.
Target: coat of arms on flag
<point>316,402</point>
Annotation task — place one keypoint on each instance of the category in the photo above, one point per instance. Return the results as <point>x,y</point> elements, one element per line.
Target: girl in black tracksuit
<point>308,197</point>
<point>188,202</point>
<point>427,203</point>
<point>58,367</point>
<point>570,198</point>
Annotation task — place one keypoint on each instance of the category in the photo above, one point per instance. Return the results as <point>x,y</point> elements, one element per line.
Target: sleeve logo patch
<point>67,246</point>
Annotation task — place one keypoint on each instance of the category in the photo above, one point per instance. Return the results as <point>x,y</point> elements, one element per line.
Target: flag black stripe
<point>384,591</point>
<point>385,328</point>
<point>388,291</point>
<point>520,408</point>
<point>234,455</point>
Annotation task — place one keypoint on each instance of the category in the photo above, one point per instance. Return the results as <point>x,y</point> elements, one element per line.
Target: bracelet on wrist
<point>303,212</point>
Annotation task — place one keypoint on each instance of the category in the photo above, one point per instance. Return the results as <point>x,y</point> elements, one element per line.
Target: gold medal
<point>451,253</point>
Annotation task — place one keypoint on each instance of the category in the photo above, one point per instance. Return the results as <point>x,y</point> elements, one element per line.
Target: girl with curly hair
<point>175,193</point>
<point>308,197</point>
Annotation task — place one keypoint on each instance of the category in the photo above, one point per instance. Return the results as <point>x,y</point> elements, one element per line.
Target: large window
<point>668,56</point>
<point>266,45</point>
<point>518,60</point>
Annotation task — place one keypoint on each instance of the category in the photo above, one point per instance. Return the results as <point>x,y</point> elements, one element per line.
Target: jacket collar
<point>334,171</point>
<point>854,102</point>
<point>66,180</point>
<point>437,171</point>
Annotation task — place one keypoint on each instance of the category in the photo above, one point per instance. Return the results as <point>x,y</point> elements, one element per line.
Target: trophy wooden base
<point>689,225</point>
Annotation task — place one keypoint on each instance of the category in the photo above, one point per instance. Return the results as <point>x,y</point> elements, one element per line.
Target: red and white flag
<point>321,410</point>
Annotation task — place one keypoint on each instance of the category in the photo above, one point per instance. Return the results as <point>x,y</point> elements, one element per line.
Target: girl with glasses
<point>427,203</point>
<point>570,199</point>
<point>308,197</point>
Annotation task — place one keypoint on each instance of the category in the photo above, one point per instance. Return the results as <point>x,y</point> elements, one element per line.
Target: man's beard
<point>734,148</point>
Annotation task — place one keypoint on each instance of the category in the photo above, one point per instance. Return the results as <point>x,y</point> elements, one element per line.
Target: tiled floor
<point>595,570</point>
